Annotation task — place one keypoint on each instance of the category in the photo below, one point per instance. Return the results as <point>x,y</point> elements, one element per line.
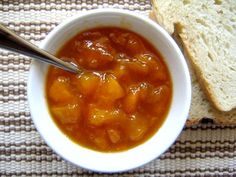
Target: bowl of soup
<point>128,105</point>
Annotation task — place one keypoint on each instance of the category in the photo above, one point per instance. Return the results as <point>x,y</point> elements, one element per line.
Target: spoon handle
<point>11,41</point>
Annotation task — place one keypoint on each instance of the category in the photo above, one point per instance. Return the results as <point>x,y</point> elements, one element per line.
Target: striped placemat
<point>203,150</point>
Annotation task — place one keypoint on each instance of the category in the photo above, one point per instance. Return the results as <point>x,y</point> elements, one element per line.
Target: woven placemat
<point>203,150</point>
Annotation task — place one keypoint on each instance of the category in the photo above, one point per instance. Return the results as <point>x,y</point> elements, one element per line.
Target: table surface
<point>203,150</point>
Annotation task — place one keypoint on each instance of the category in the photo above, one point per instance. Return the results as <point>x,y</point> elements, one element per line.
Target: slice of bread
<point>200,107</point>
<point>207,30</point>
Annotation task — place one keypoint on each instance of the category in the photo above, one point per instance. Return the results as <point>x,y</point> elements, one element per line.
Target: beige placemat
<point>203,150</point>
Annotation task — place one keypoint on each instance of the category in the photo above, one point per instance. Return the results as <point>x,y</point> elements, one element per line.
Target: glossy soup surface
<point>121,101</point>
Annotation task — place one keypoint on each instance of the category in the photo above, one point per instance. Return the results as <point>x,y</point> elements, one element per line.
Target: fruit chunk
<point>68,114</point>
<point>134,45</point>
<point>99,138</point>
<point>157,94</point>
<point>87,83</point>
<point>147,58</point>
<point>143,90</point>
<point>158,75</point>
<point>136,93</point>
<point>138,68</point>
<point>60,91</point>
<point>129,41</point>
<point>159,97</point>
<point>130,102</point>
<point>137,127</point>
<point>156,68</point>
<point>96,53</point>
<point>120,39</point>
<point>114,135</point>
<point>101,141</point>
<point>99,116</point>
<point>111,88</point>
<point>120,71</point>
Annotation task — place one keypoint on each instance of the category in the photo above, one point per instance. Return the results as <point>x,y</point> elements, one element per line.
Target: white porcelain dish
<point>142,154</point>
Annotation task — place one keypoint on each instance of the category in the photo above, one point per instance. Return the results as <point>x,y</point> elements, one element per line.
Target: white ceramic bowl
<point>163,138</point>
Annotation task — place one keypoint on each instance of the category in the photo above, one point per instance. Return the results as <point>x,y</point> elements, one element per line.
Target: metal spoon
<point>11,41</point>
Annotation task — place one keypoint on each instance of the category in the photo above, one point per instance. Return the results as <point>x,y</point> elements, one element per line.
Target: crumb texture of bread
<point>208,35</point>
<point>164,12</point>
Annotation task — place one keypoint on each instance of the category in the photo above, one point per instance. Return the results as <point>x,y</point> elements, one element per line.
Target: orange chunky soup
<point>121,101</point>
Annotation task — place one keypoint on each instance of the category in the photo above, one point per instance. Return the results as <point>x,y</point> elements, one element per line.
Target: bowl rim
<point>124,166</point>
